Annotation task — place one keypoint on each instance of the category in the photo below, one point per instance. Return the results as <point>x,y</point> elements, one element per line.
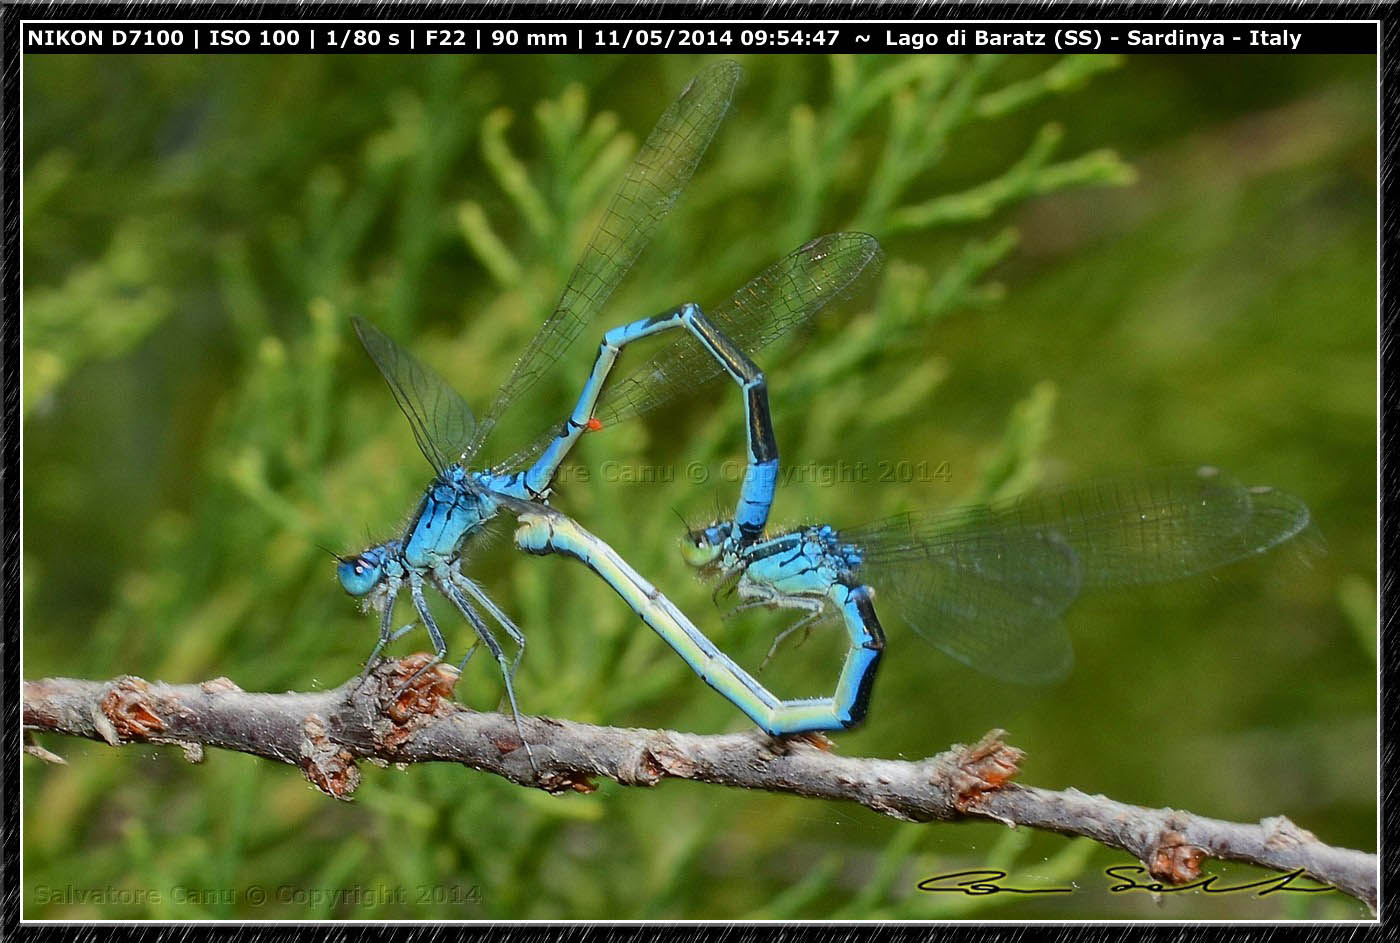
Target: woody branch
<point>326,733</point>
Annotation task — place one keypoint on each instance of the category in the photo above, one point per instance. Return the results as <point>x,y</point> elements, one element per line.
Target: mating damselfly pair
<point>987,585</point>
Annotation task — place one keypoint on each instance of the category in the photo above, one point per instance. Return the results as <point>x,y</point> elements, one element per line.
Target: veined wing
<point>652,184</point>
<point>780,298</point>
<point>1166,525</point>
<point>987,584</point>
<point>442,421</point>
<point>992,599</point>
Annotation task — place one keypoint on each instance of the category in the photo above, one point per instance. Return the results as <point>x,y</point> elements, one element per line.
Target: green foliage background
<point>1093,265</point>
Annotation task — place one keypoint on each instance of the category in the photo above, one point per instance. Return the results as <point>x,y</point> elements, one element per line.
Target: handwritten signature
<point>1283,882</point>
<point>980,882</point>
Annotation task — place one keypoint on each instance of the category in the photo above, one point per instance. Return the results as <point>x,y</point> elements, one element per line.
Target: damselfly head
<point>360,574</point>
<point>701,547</point>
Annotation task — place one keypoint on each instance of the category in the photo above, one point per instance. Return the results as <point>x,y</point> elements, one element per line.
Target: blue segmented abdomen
<point>852,696</point>
<point>756,496</point>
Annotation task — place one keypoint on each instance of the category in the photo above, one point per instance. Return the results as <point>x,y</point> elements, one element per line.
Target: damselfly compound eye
<point>358,575</point>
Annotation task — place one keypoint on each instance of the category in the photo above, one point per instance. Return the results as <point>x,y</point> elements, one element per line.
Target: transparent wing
<point>782,297</point>
<point>1175,526</point>
<point>980,582</point>
<point>1166,525</point>
<point>442,421</point>
<point>990,599</point>
<point>653,182</point>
